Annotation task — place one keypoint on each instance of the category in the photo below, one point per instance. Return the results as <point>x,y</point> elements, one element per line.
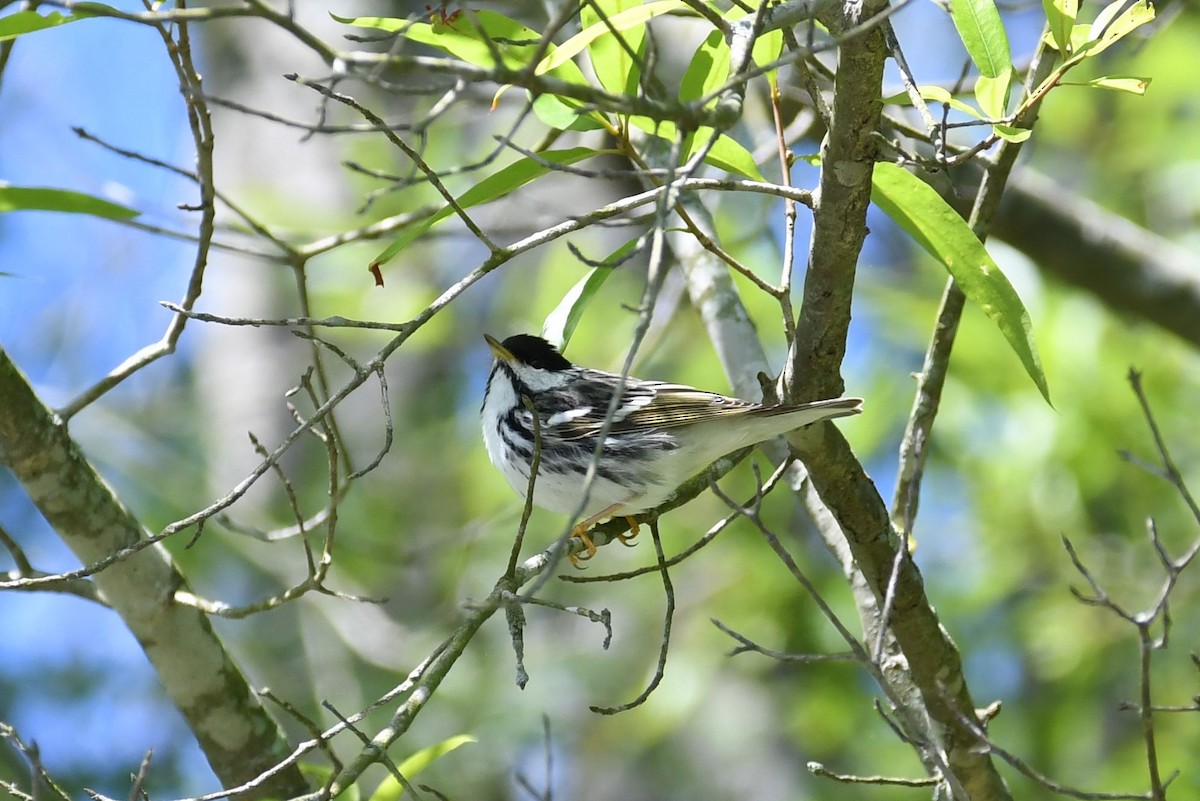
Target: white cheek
<point>539,380</point>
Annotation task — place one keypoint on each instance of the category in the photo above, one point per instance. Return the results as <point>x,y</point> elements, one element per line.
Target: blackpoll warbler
<point>661,434</point>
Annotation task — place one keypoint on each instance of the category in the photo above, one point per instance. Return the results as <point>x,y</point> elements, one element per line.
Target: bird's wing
<point>579,412</point>
<point>677,405</point>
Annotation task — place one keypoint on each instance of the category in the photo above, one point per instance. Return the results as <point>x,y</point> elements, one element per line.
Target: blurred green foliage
<point>431,528</point>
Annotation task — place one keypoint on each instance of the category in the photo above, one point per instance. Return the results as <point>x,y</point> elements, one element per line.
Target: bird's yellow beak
<point>498,350</point>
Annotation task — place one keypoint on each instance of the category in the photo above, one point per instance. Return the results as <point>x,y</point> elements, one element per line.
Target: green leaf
<point>1077,38</point>
<point>612,62</point>
<point>726,153</point>
<point>936,94</point>
<point>36,198</point>
<point>388,24</point>
<point>708,69</point>
<point>565,115</point>
<point>1113,24</point>
<point>474,37</point>
<point>497,185</point>
<point>978,23</point>
<point>1121,83</point>
<point>561,323</point>
<point>23,22</point>
<point>1060,17</point>
<point>1012,134</point>
<point>992,94</point>
<point>479,43</point>
<point>767,47</point>
<point>929,220</point>
<point>629,18</point>
<point>390,789</point>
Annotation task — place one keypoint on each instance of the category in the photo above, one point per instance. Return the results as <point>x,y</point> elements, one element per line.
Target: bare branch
<point>191,662</point>
<point>817,769</point>
<point>664,644</point>
<point>746,645</point>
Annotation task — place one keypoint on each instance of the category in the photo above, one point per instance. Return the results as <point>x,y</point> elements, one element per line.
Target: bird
<point>661,433</point>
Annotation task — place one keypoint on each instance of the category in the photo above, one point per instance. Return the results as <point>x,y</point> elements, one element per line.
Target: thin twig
<point>817,769</point>
<point>200,124</point>
<point>746,645</point>
<point>535,462</point>
<point>408,151</point>
<point>704,540</point>
<point>752,514</point>
<point>1027,770</point>
<point>664,644</point>
<point>788,266</point>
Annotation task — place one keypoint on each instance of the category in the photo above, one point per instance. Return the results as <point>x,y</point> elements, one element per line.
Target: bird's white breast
<point>555,491</point>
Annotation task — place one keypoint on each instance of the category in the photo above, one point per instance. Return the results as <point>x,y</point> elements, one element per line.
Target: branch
<point>839,227</point>
<point>422,683</point>
<point>742,356</point>
<point>1129,268</point>
<point>840,213</point>
<point>236,734</point>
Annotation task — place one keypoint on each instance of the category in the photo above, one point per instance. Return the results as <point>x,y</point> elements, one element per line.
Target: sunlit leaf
<point>726,153</point>
<point>1120,83</point>
<point>767,47</point>
<point>638,15</point>
<point>708,69</point>
<point>561,323</point>
<point>390,789</point>
<point>1080,36</point>
<point>388,24</point>
<point>936,94</point>
<point>1114,23</point>
<point>929,220</point>
<point>23,22</point>
<point>498,185</point>
<point>557,112</point>
<point>37,198</point>
<point>1060,17</point>
<point>475,37</point>
<point>978,23</point>
<point>613,60</point>
<point>478,37</point>
<point>661,128</point>
<point>992,94</point>
<point>1011,133</point>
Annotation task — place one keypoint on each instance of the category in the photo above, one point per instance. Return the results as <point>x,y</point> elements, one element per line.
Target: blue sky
<point>63,309</point>
<point>75,304</point>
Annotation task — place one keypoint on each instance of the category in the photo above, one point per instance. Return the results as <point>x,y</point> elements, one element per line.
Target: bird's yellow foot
<point>634,529</point>
<point>581,530</point>
<point>589,547</point>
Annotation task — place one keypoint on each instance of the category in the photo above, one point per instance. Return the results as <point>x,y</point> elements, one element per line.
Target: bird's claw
<point>634,529</point>
<point>589,549</point>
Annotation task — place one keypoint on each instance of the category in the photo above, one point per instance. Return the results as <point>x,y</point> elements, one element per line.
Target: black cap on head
<point>535,352</point>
